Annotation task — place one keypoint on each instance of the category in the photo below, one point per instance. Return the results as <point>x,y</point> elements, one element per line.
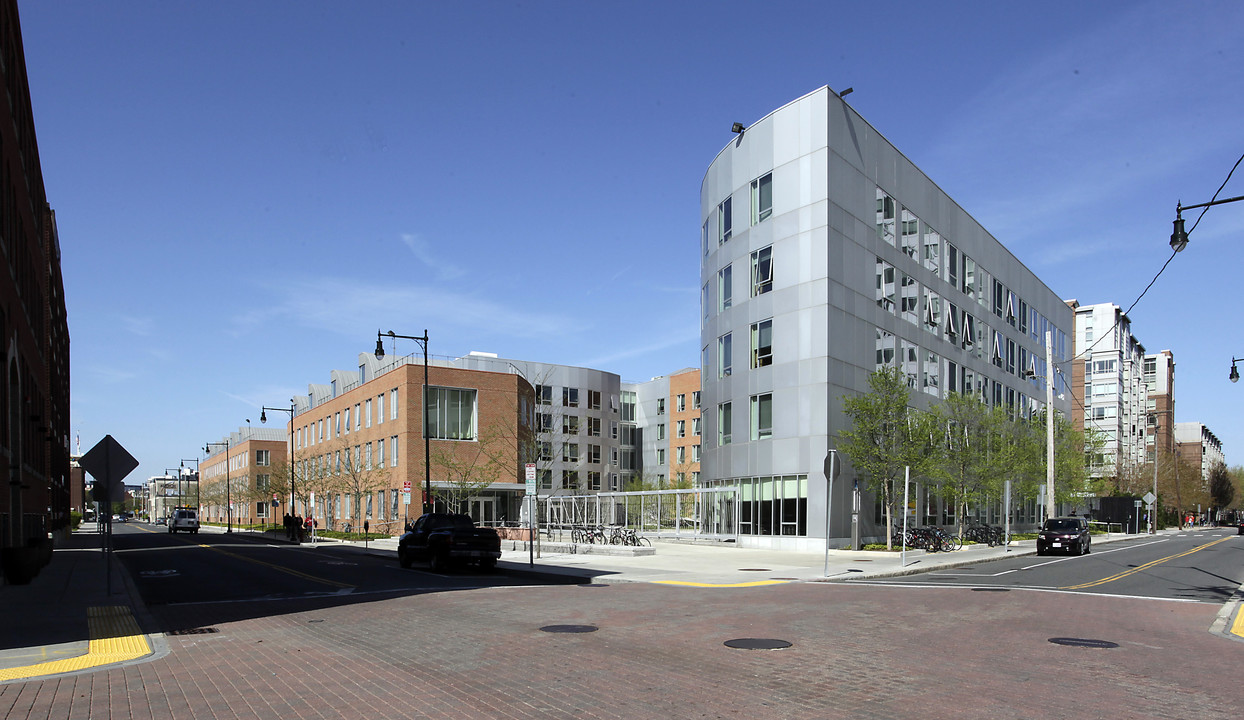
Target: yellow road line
<point>114,637</point>
<point>755,583</point>
<point>1132,571</point>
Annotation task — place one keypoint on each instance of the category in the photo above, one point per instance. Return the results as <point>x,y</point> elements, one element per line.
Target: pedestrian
<point>297,525</point>
<point>289,527</point>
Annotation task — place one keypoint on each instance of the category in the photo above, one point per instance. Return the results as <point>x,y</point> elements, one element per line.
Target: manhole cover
<point>569,628</point>
<point>315,621</point>
<point>194,631</point>
<point>991,589</point>
<point>1084,642</point>
<point>755,570</point>
<point>757,644</point>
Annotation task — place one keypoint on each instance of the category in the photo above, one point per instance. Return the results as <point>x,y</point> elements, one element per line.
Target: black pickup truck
<point>445,540</point>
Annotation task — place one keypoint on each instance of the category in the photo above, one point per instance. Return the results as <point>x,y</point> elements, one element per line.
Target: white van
<point>184,519</point>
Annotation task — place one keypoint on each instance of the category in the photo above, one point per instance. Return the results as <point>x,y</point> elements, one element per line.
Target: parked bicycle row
<point>602,535</point>
<point>934,539</point>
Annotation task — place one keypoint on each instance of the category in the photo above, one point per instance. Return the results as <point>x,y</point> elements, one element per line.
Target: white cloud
<point>422,251</point>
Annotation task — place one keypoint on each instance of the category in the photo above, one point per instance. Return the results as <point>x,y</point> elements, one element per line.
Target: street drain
<point>594,585</point>
<point>1084,642</point>
<point>991,589</point>
<point>757,644</point>
<point>569,628</point>
<point>755,570</point>
<point>194,631</point>
<point>314,621</point>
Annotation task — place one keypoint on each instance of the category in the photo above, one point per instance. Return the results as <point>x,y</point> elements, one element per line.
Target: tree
<point>966,473</point>
<point>1221,489</point>
<point>467,468</point>
<point>353,474</point>
<point>885,437</point>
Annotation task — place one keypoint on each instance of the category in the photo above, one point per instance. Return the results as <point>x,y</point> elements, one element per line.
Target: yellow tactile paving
<point>115,637</point>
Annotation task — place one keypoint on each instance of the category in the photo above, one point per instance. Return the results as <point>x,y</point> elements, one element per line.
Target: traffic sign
<point>1149,498</point>
<point>108,463</point>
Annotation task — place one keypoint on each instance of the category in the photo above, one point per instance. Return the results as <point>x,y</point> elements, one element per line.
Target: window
<point>762,198</point>
<point>911,235</point>
<point>660,456</point>
<point>952,265</point>
<point>723,424</point>
<point>661,431</point>
<point>367,422</point>
<point>544,394</point>
<point>932,251</point>
<point>593,426</point>
<point>681,428</point>
<point>450,413</point>
<point>546,479</point>
<point>367,456</point>
<point>695,399</point>
<point>358,416</point>
<point>570,425</point>
<point>705,302</point>
<point>725,284</point>
<point>570,397</point>
<point>695,427</point>
<point>593,399</point>
<point>570,452</point>
<point>544,422</point>
<point>1023,318</point>
<point>885,349</point>
<point>347,413</point>
<point>660,406</point>
<point>723,221</point>
<point>762,416</point>
<point>593,479</point>
<point>593,454</point>
<point>762,343</point>
<point>263,457</point>
<point>762,271</point>
<point>999,299</point>
<point>885,217</point>
<point>393,404</point>
<point>380,456</point>
<point>910,299</point>
<point>931,383</point>
<point>680,455</point>
<point>337,424</point>
<point>885,286</point>
<point>680,402</point>
<point>628,406</point>
<point>546,451</point>
<point>969,277</point>
<point>380,408</point>
<point>932,311</point>
<point>723,356</point>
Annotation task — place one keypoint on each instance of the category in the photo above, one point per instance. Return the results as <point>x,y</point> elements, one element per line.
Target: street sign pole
<point>532,509</point>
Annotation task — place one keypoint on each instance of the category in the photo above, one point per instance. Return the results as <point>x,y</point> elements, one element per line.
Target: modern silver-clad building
<point>825,254</point>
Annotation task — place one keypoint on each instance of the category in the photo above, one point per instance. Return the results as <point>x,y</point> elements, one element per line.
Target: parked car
<point>1064,534</point>
<point>185,520</point>
<point>445,540</point>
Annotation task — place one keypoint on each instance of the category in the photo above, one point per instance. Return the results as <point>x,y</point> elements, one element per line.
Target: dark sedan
<point>1067,534</point>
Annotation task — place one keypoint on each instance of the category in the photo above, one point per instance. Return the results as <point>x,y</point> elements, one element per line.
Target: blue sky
<point>246,192</point>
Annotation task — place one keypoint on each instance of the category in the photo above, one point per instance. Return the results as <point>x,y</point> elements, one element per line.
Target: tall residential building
<point>1160,382</point>
<point>669,430</point>
<point>827,254</point>
<point>1198,446</point>
<point>34,417</point>
<point>1110,395</point>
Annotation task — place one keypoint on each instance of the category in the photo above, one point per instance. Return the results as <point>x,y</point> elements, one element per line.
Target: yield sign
<point>108,463</point>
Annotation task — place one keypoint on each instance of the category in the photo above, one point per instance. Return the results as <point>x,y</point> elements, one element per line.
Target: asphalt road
<point>1203,566</point>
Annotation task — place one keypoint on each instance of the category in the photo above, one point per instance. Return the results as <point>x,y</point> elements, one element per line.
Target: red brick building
<point>34,424</point>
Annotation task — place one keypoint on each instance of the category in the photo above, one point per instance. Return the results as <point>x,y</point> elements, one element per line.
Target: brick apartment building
<point>34,424</point>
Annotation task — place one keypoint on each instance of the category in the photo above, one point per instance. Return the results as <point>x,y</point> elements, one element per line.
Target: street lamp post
<point>263,418</point>
<point>228,489</point>
<point>1179,238</point>
<point>1153,512</point>
<point>427,444</point>
<point>196,479</point>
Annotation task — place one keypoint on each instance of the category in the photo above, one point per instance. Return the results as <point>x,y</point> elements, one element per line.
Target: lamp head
<point>263,416</point>
<point>1179,238</point>
<point>379,346</point>
<point>737,128</point>
<point>1235,374</point>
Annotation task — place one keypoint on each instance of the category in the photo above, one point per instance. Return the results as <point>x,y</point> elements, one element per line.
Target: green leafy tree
<point>885,437</point>
<point>1221,489</point>
<point>968,469</point>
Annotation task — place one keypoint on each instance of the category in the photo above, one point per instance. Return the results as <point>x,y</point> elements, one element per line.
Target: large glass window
<point>885,217</point>
<point>724,352</point>
<point>570,397</point>
<point>885,349</point>
<point>932,312</point>
<point>762,416</point>
<point>725,288</point>
<point>762,343</point>
<point>724,220</point>
<point>762,271</point>
<point>724,423</point>
<point>911,235</point>
<point>762,198</point>
<point>932,243</point>
<point>450,413</point>
<point>886,290</point>
<point>911,300</point>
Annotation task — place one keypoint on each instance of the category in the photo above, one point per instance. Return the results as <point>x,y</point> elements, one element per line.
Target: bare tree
<point>353,473</point>
<point>467,468</point>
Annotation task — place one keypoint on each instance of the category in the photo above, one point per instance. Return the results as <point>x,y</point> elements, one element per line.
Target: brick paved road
<point>858,652</point>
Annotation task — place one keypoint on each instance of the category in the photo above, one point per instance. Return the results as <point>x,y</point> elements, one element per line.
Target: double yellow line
<point>1133,571</point>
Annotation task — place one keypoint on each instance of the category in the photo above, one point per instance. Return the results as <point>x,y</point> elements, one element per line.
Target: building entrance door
<point>484,510</point>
